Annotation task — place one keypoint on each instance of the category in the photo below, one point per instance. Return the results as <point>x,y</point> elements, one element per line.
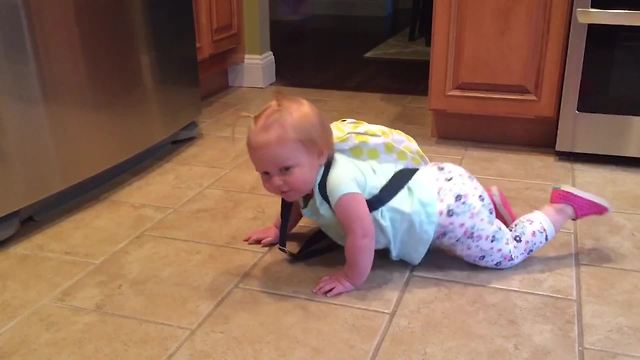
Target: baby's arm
<point>353,214</point>
<point>269,235</point>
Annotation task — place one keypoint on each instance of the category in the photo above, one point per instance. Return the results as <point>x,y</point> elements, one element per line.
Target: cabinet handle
<point>608,17</point>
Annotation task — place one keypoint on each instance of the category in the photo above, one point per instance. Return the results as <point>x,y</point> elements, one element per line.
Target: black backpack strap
<point>389,190</point>
<point>285,214</point>
<point>317,244</point>
<point>322,184</point>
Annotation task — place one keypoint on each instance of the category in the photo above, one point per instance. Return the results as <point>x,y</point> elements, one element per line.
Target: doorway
<point>341,45</point>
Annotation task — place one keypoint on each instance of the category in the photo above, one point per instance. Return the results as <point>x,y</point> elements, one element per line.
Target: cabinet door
<point>498,57</point>
<point>224,25</point>
<point>201,19</point>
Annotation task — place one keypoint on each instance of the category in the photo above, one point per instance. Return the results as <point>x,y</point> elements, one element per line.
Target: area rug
<point>400,48</point>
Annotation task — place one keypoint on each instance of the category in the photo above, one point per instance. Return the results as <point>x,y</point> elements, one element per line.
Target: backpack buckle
<point>283,249</point>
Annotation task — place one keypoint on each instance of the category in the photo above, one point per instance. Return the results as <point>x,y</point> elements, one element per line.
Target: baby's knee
<point>498,262</point>
<point>504,265</point>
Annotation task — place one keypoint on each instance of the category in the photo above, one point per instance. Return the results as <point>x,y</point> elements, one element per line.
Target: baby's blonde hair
<point>291,118</point>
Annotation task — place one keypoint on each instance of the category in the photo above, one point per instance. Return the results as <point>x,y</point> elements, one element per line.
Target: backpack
<point>363,141</point>
<point>367,142</point>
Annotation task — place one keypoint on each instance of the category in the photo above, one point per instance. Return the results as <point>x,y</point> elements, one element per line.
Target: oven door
<point>600,110</point>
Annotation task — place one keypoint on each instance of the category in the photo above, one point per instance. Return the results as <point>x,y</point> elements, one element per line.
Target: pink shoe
<point>503,210</point>
<point>583,203</point>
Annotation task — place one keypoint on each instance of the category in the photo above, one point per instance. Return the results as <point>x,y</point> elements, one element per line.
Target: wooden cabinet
<point>498,57</point>
<point>218,40</point>
<point>217,26</point>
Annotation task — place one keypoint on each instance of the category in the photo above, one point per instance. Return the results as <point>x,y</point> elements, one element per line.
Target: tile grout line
<point>138,234</point>
<point>213,187</point>
<point>175,161</point>
<point>310,298</point>
<point>171,211</point>
<point>173,208</point>
<point>520,291</point>
<point>230,169</point>
<point>202,119</point>
<point>124,316</point>
<point>464,156</point>
<point>108,198</point>
<point>608,267</point>
<point>47,299</point>
<point>578,287</point>
<point>391,316</point>
<point>51,255</point>
<point>634,356</point>
<point>204,188</point>
<point>516,180</point>
<point>144,232</point>
<point>242,192</point>
<point>62,288</point>
<point>226,246</point>
<point>140,176</point>
<point>146,228</point>
<point>577,282</point>
<point>215,306</point>
<point>627,212</point>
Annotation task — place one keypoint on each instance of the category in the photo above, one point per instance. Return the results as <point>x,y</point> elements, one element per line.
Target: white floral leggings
<point>468,228</point>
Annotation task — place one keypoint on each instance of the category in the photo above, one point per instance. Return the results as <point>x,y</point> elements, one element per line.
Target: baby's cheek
<point>266,186</point>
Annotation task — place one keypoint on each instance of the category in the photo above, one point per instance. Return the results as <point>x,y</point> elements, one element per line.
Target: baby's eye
<point>285,169</point>
<point>265,174</point>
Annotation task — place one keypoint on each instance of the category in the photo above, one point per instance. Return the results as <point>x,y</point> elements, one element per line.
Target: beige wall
<point>256,26</point>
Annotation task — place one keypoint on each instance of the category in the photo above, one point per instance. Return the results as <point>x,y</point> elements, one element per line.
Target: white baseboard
<point>256,71</point>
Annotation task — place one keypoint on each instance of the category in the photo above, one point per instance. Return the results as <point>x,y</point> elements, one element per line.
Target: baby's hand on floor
<point>265,237</point>
<point>333,284</point>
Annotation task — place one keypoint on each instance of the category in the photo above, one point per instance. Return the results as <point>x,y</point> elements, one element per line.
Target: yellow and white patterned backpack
<point>363,141</point>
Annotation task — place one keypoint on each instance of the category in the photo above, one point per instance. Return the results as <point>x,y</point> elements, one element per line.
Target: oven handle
<point>608,17</point>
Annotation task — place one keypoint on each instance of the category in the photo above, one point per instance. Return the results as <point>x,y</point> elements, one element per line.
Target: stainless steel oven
<point>600,109</point>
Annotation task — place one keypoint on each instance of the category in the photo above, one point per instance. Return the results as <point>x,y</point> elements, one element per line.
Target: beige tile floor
<point>154,266</point>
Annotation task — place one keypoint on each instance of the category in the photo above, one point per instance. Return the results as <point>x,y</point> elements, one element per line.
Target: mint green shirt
<point>405,225</point>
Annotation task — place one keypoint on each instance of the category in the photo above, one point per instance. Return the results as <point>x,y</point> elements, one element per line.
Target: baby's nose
<point>276,181</point>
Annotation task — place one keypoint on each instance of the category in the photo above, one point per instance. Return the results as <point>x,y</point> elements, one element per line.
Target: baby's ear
<point>323,155</point>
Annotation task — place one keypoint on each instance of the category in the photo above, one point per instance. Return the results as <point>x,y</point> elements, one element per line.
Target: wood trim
<point>213,74</point>
<point>530,87</point>
<point>202,8</point>
<point>224,36</point>
<point>194,6</point>
<point>221,31</point>
<point>492,129</point>
<point>237,54</point>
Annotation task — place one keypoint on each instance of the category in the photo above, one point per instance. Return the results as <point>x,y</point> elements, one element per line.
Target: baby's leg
<point>532,231</point>
<point>486,242</point>
<point>499,247</point>
<point>468,228</point>
<point>491,244</point>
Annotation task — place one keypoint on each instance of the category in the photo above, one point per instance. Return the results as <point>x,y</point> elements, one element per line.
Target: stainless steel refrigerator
<point>85,85</point>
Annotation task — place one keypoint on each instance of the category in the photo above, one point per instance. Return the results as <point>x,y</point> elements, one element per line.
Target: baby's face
<point>287,169</point>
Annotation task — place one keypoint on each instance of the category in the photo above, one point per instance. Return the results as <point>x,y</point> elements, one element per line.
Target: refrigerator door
<point>87,84</point>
